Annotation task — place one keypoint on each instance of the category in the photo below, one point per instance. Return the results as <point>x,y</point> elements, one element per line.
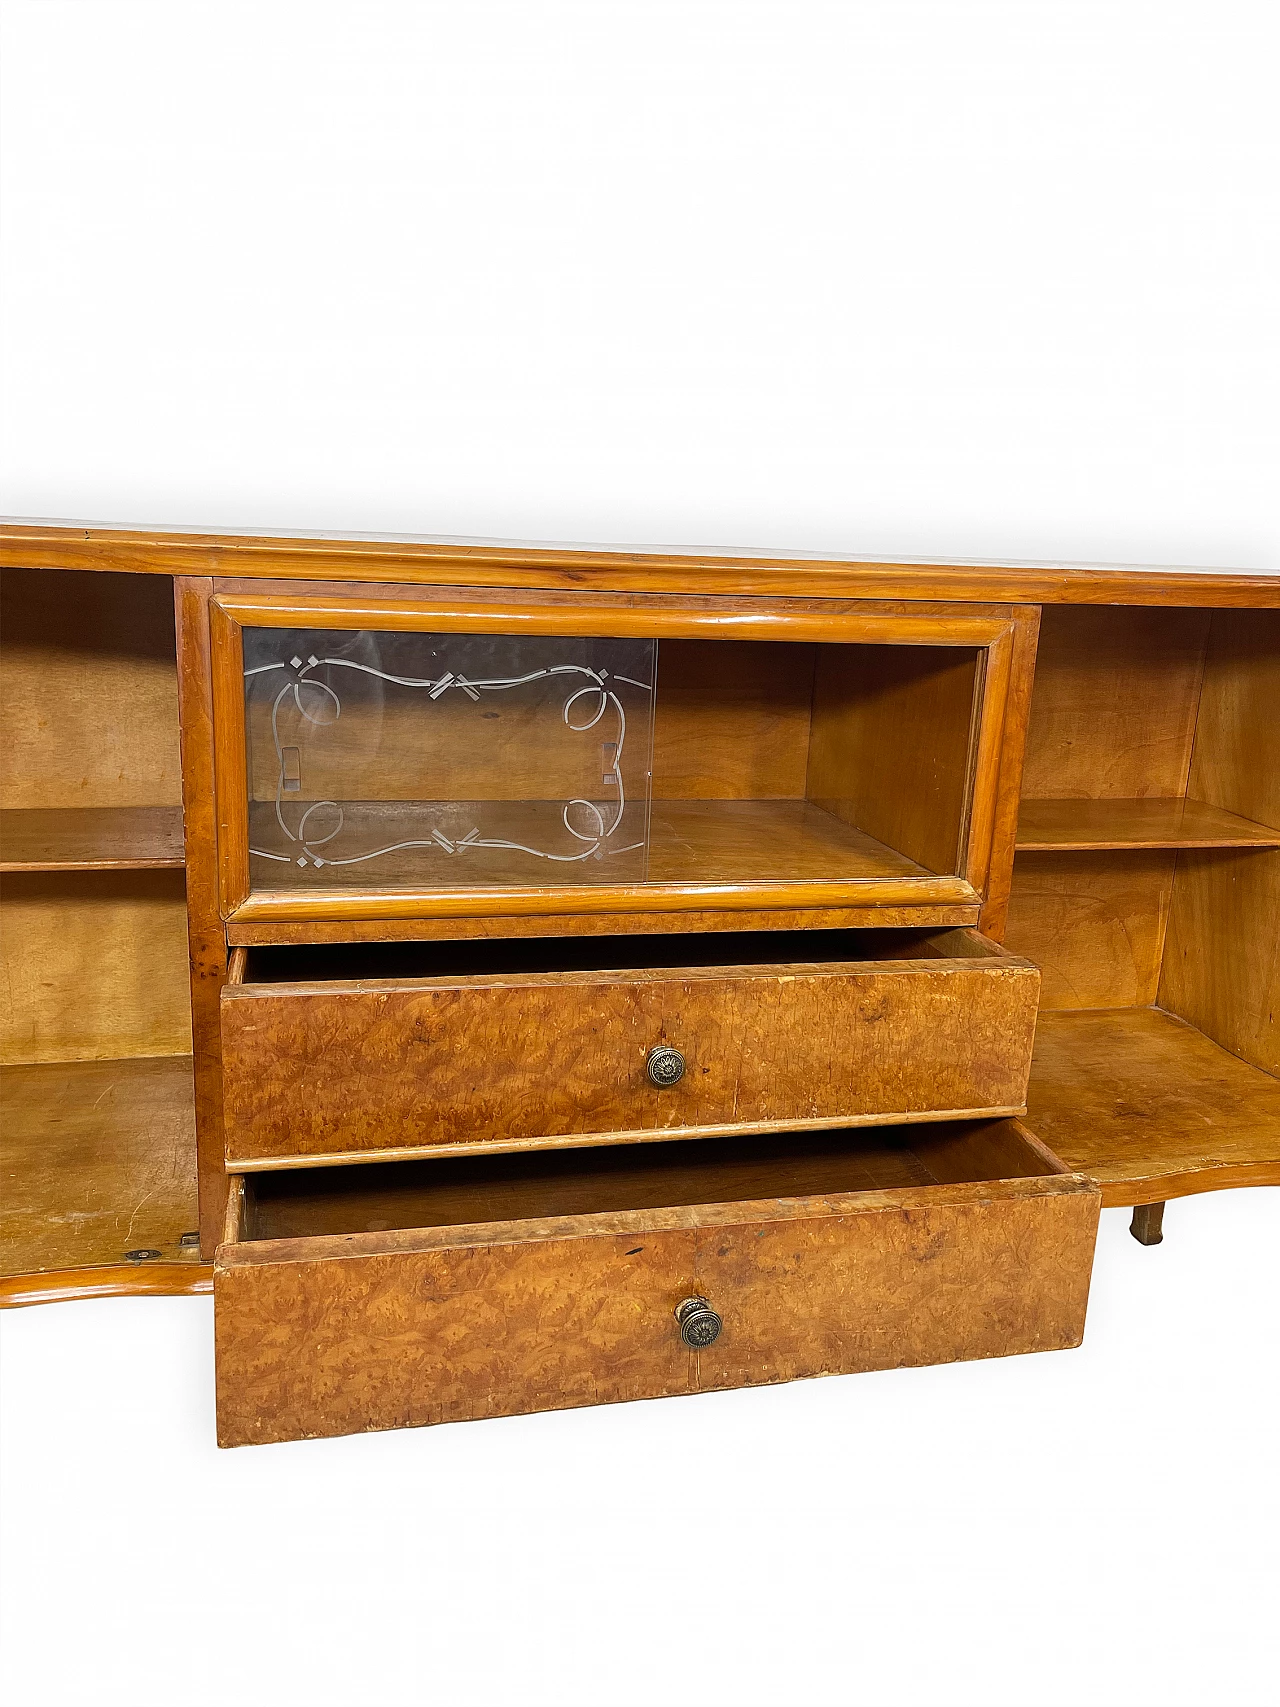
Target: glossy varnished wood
<point>995,629</point>
<point>92,838</point>
<point>1081,825</point>
<point>340,1332</point>
<point>249,934</point>
<point>421,1065</point>
<point>207,945</point>
<point>1150,1107</point>
<point>97,1159</point>
<point>537,564</point>
<point>128,1280</point>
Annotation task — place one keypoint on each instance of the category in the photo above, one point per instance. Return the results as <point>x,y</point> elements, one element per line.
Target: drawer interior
<point>341,962</point>
<point>384,1197</point>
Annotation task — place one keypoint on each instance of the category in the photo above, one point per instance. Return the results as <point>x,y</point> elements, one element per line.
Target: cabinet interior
<point>1147,889</point>
<point>385,1197</point>
<point>97,1142</point>
<point>742,761</point>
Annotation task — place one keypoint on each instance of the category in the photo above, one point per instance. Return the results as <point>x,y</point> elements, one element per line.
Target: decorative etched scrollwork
<point>312,695</point>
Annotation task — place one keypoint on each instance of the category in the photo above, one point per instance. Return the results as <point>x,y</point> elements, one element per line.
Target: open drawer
<point>385,1296</point>
<point>347,1053</point>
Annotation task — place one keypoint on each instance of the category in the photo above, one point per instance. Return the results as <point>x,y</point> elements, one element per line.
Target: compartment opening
<point>391,1196</point>
<point>304,963</point>
<point>437,760</point>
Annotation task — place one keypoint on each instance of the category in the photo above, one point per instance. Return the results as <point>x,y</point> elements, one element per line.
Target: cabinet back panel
<point>731,721</point>
<point>1114,704</point>
<point>1094,924</point>
<point>88,690</point>
<point>94,966</point>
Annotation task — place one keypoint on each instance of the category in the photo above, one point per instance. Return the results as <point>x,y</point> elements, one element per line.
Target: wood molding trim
<point>67,545</point>
<point>127,1280</point>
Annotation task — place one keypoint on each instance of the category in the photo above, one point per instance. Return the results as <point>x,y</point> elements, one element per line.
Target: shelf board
<point>97,1158</point>
<point>690,841</point>
<point>1070,826</point>
<point>92,838</point>
<point>1150,1107</point>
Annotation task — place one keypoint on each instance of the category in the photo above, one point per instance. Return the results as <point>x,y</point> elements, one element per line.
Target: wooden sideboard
<point>517,977</point>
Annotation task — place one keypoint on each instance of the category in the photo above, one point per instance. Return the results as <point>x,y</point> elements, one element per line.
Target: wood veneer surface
<point>96,1158</point>
<point>88,692</point>
<point>1094,923</point>
<point>690,841</point>
<point>391,557</point>
<point>1114,705</point>
<point>537,1315</point>
<point>94,965</point>
<point>1150,1107</point>
<point>1062,825</point>
<point>91,838</point>
<point>343,1069</point>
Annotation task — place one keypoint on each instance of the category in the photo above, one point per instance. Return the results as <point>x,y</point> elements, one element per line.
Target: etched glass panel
<point>428,760</point>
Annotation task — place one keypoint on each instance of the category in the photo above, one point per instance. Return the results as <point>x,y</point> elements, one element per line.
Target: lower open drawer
<point>389,1295</point>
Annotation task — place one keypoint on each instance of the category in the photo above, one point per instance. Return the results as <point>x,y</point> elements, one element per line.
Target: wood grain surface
<point>422,1065</point>
<point>1222,959</point>
<point>336,1335</point>
<point>1062,825</point>
<point>1094,923</point>
<point>88,692</point>
<point>1114,705</point>
<point>534,1185</point>
<point>78,545</point>
<point>1150,1107</point>
<point>207,944</point>
<point>91,838</point>
<point>248,934</point>
<point>96,1158</point>
<point>891,751</point>
<point>94,965</point>
<point>128,1280</point>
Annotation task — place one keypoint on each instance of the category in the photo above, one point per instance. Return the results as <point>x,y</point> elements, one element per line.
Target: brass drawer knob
<point>665,1066</point>
<point>699,1324</point>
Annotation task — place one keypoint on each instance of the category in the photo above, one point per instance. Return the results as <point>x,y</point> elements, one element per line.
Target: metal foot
<point>1147,1224</point>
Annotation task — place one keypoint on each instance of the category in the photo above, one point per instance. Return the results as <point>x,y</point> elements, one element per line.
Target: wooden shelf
<point>97,1158</point>
<point>1066,826</point>
<point>1150,1107</point>
<point>690,841</point>
<point>92,838</point>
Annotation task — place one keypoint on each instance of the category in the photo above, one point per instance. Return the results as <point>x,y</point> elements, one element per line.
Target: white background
<point>968,279</point>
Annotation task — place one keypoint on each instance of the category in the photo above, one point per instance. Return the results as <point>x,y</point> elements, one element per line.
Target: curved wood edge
<point>1162,1188</point>
<point>65,545</point>
<point>122,1280</point>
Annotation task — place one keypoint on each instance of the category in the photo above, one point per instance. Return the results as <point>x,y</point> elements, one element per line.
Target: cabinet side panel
<point>206,935</point>
<point>890,748</point>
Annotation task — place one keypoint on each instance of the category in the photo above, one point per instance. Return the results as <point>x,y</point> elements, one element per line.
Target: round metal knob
<point>699,1324</point>
<point>665,1066</point>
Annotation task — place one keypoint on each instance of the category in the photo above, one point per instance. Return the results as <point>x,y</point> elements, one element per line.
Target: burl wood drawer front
<point>353,1069</point>
<point>340,1334</point>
